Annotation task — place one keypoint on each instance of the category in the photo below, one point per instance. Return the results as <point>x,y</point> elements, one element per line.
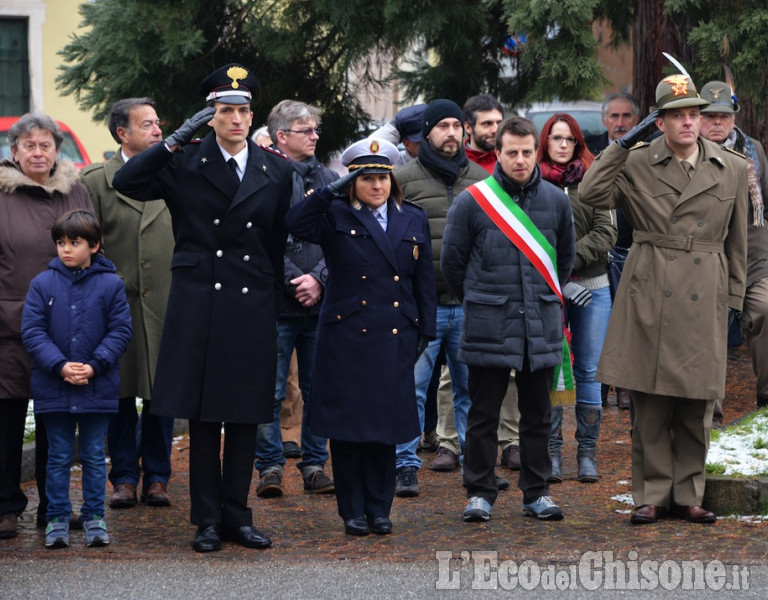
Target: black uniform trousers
<point>219,488</point>
<point>487,387</point>
<point>364,476</point>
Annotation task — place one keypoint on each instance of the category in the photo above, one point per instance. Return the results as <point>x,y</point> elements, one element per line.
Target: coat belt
<point>676,242</point>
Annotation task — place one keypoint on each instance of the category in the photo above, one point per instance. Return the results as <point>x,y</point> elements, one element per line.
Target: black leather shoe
<point>247,536</point>
<point>357,526</point>
<point>207,539</point>
<point>380,525</point>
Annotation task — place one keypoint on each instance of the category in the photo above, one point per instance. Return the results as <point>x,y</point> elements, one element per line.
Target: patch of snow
<point>738,448</point>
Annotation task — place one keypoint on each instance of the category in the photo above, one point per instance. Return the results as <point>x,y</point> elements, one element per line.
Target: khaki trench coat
<point>667,333</point>
<point>138,238</point>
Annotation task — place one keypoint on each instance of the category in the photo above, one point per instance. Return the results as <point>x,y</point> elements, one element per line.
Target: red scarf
<point>562,175</point>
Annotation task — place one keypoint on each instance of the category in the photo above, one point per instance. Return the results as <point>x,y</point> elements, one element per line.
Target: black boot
<point>588,418</point>
<point>555,443</point>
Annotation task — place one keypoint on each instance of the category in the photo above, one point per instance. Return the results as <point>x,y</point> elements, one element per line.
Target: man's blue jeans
<point>588,325</point>
<point>151,443</point>
<point>299,333</point>
<point>61,452</point>
<point>450,318</point>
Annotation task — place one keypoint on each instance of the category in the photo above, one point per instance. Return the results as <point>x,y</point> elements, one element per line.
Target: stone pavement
<point>306,530</point>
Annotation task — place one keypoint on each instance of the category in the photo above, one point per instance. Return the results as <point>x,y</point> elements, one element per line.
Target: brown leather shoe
<point>445,460</point>
<point>8,526</point>
<point>694,514</point>
<point>156,495</point>
<point>647,513</point>
<point>124,496</point>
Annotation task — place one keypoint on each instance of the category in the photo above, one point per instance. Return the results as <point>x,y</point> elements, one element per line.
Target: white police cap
<point>371,155</point>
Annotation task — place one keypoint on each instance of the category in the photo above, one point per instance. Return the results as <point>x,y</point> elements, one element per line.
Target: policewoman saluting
<point>379,312</point>
<point>217,359</point>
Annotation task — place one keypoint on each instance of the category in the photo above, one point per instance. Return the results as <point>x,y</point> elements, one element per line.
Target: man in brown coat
<point>138,238</point>
<point>686,199</point>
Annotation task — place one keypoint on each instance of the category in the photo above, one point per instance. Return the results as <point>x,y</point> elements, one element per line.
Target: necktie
<point>688,168</point>
<point>233,167</point>
<point>380,218</point>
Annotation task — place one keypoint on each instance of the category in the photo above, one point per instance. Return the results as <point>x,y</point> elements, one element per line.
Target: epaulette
<point>640,145</point>
<point>732,151</point>
<point>413,204</point>
<point>274,151</point>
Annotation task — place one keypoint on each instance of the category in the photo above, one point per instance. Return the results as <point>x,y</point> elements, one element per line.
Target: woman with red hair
<point>563,158</point>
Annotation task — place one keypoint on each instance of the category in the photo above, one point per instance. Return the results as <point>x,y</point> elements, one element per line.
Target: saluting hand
<point>340,185</point>
<point>184,133</point>
<point>639,132</point>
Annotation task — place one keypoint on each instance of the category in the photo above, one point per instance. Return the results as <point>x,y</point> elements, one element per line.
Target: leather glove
<point>337,187</point>
<point>184,133</point>
<point>577,294</point>
<point>639,132</point>
<point>422,345</point>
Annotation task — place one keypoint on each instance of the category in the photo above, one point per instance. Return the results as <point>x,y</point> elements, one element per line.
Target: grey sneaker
<point>57,533</point>
<point>317,482</point>
<point>478,509</point>
<point>270,485</point>
<point>95,532</point>
<point>407,484</point>
<point>543,508</point>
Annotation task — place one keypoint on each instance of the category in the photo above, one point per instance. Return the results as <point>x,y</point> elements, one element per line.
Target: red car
<point>71,148</point>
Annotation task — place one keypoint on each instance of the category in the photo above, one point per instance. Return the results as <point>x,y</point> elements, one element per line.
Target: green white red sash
<point>523,233</point>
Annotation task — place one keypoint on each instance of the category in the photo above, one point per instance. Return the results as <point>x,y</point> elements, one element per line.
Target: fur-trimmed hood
<point>62,181</point>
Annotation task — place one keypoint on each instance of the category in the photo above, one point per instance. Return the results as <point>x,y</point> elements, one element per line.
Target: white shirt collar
<point>241,158</point>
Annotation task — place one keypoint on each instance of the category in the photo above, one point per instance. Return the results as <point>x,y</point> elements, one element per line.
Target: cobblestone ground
<point>306,528</point>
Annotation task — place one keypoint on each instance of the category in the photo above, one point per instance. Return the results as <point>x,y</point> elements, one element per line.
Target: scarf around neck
<point>562,175</point>
<point>446,169</point>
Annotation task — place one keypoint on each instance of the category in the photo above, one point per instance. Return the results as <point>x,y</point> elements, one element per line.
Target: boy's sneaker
<point>478,509</point>
<point>57,533</point>
<point>95,532</point>
<point>543,508</point>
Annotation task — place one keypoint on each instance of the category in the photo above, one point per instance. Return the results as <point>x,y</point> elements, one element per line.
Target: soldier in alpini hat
<point>718,124</point>
<point>686,200</point>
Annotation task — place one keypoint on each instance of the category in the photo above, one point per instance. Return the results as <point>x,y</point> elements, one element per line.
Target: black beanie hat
<point>437,111</point>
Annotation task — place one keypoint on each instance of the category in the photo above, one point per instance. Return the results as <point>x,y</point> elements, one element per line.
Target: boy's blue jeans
<point>61,453</point>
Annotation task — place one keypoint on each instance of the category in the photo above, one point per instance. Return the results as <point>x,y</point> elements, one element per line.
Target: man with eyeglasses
<point>138,238</point>
<point>295,128</point>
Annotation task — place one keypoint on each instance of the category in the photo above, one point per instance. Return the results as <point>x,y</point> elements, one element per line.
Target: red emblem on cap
<point>374,147</point>
<point>679,84</point>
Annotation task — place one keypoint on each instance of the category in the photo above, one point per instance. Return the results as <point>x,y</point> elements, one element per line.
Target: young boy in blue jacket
<point>76,324</point>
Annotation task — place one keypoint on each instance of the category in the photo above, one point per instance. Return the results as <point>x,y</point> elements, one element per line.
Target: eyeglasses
<point>308,131</point>
<point>45,147</point>
<point>559,139</point>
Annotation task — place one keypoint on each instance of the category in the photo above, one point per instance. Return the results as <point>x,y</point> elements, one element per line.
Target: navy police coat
<point>380,296</point>
<point>217,357</point>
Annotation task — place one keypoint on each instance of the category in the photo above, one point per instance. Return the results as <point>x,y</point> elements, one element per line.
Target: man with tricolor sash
<point>508,249</point>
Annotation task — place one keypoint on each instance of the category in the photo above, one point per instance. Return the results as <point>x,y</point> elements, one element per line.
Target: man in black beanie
<point>440,171</point>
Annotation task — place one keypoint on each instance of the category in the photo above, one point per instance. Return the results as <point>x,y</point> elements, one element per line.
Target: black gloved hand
<point>340,185</point>
<point>577,294</point>
<point>421,346</point>
<point>184,133</point>
<point>639,132</point>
